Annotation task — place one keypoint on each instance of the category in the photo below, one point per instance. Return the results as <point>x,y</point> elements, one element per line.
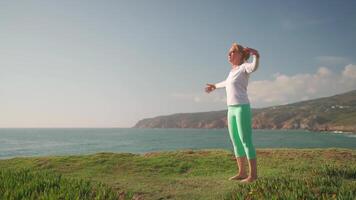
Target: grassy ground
<point>186,174</point>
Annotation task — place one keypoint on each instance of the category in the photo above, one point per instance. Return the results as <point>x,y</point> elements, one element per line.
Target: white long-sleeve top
<point>237,81</point>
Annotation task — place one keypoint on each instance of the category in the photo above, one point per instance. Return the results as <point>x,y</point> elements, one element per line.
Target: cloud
<point>288,89</point>
<point>332,60</point>
<point>350,71</point>
<point>284,89</point>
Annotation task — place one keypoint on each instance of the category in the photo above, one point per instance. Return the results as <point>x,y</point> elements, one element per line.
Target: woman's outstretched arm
<point>212,87</point>
<point>220,84</point>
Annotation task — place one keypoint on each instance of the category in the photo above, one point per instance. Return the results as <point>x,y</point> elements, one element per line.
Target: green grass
<point>185,174</point>
<point>26,184</point>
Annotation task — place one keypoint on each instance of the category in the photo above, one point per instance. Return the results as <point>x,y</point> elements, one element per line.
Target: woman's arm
<point>220,84</point>
<point>251,67</point>
<point>212,87</point>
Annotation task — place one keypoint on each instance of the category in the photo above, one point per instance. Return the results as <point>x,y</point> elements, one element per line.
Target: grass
<point>26,184</point>
<point>185,174</point>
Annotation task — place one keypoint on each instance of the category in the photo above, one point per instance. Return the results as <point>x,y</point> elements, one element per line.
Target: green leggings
<point>240,129</point>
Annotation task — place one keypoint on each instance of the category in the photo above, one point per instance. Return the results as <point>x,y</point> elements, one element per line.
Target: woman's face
<point>234,56</point>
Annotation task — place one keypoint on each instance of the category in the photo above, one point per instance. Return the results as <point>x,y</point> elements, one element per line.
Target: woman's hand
<point>252,51</point>
<point>210,88</point>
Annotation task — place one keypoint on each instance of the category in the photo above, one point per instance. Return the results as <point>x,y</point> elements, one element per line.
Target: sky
<point>113,63</point>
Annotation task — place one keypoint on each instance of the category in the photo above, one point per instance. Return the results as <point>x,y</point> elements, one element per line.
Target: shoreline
<point>261,129</point>
<point>176,151</point>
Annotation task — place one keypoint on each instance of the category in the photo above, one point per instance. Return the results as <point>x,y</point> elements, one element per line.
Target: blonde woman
<point>239,114</point>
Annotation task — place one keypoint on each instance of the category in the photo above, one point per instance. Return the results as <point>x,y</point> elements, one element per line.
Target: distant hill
<point>334,113</point>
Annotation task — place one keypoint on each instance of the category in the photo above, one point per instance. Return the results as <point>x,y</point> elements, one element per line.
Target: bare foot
<point>238,177</point>
<point>248,179</point>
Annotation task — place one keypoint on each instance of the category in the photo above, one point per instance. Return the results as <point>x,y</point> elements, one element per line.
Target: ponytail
<point>245,54</point>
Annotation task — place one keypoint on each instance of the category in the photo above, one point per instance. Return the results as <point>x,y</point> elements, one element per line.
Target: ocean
<point>15,142</point>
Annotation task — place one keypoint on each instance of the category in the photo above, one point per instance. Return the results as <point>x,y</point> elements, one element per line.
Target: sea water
<point>16,142</point>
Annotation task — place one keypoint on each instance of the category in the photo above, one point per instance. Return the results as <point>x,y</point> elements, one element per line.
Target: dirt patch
<point>44,163</point>
<point>152,154</point>
<point>203,153</point>
<point>338,155</point>
<point>264,153</point>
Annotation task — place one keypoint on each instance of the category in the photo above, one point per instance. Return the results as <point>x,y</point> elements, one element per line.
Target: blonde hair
<point>241,49</point>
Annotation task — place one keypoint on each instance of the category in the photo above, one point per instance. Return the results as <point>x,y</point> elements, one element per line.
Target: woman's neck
<point>235,65</point>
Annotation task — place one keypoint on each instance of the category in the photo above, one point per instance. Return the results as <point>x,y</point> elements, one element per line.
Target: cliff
<point>334,113</point>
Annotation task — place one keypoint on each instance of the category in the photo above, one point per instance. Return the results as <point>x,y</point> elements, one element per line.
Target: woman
<point>239,112</point>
